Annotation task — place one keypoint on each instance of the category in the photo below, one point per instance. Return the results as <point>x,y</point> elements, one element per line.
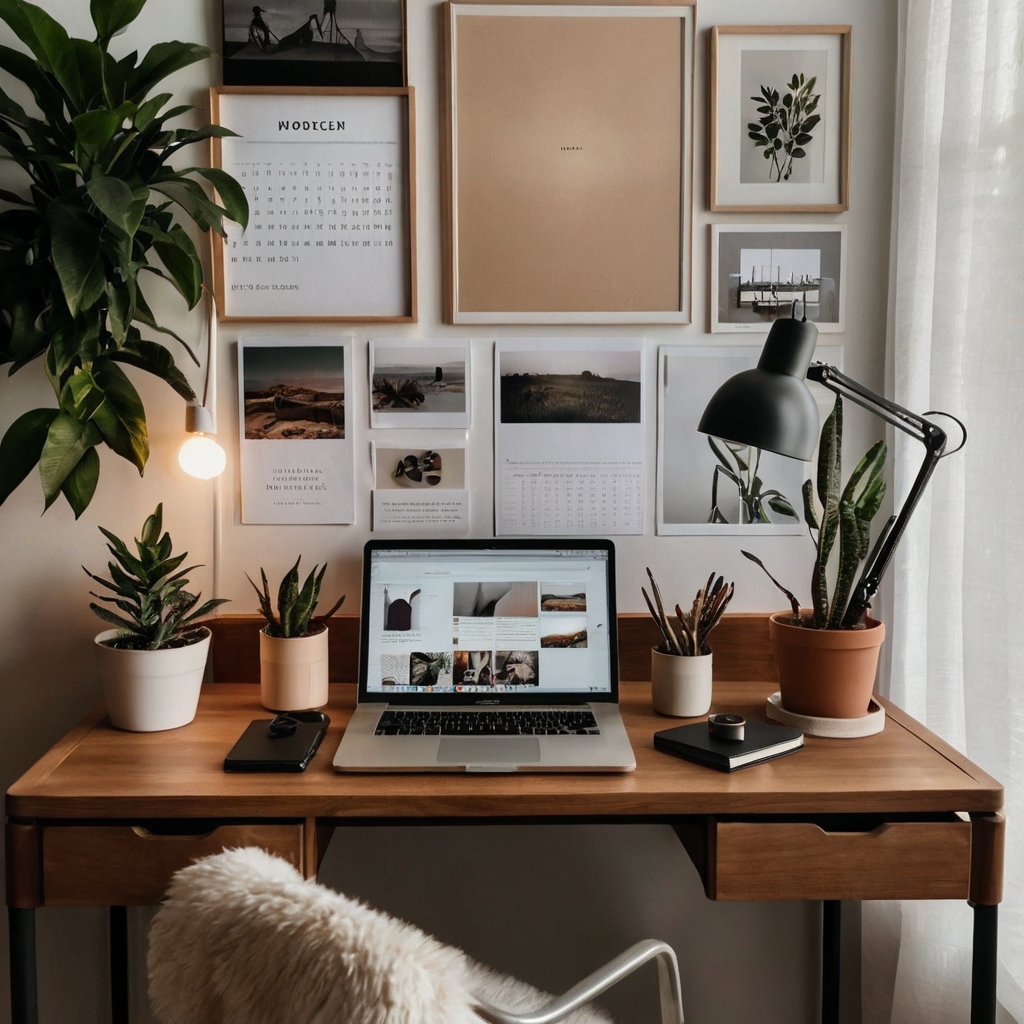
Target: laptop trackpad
<point>472,750</point>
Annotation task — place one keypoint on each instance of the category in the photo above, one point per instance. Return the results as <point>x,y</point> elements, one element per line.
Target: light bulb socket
<point>199,420</point>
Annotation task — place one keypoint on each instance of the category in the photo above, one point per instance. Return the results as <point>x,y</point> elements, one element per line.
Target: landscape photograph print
<point>314,42</point>
<point>293,392</point>
<point>570,386</point>
<point>415,384</point>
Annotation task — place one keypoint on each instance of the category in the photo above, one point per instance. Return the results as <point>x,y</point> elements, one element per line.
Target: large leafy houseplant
<point>101,201</point>
<point>845,515</point>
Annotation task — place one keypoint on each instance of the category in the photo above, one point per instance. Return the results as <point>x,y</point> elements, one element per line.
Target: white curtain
<point>957,344</point>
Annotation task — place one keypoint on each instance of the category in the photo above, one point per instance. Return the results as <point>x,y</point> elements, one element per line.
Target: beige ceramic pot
<point>680,686</point>
<point>149,691</point>
<point>293,671</point>
<point>826,673</point>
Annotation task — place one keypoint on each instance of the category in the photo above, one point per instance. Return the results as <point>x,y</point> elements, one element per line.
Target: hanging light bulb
<point>200,456</point>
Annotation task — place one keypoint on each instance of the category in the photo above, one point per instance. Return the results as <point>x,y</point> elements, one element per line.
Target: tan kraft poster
<point>570,163</point>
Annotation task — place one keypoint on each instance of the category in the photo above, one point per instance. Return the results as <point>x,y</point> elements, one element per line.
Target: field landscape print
<point>570,387</point>
<point>294,392</point>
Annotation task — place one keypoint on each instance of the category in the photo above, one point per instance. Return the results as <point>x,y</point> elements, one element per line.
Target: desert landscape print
<point>294,393</point>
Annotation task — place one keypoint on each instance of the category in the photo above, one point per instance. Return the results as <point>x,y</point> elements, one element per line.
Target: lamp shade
<point>770,407</point>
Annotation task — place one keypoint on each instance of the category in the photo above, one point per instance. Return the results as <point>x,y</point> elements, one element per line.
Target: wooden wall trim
<point>741,645</point>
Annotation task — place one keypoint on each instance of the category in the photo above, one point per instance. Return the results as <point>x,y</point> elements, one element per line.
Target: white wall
<point>568,896</point>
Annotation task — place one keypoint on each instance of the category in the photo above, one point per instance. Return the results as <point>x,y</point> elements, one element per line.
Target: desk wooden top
<point>99,772</point>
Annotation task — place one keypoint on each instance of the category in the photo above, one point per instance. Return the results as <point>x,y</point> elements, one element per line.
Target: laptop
<point>487,656</point>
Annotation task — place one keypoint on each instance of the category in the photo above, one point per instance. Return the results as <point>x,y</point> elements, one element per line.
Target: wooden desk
<point>106,817</point>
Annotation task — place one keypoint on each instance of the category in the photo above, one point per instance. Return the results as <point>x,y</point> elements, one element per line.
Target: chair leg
<point>983,965</point>
<point>119,965</point>
<point>24,987</point>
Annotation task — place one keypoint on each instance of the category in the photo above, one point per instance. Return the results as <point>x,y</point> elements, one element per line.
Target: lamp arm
<point>934,440</point>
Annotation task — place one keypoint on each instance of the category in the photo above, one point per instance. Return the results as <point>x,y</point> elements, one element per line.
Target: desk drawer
<point>86,865</point>
<point>756,860</point>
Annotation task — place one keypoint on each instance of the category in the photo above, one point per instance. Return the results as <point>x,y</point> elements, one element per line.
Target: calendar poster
<point>297,463</point>
<point>327,177</point>
<point>568,423</point>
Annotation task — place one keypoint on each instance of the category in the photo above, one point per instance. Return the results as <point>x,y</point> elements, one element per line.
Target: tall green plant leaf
<point>121,417</point>
<point>66,443</point>
<point>80,484</point>
<point>75,247</point>
<point>21,447</point>
<point>110,16</point>
<point>162,60</point>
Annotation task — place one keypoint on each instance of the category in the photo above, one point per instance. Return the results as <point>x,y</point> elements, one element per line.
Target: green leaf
<point>75,249</point>
<point>37,30</point>
<point>21,447</point>
<point>118,203</point>
<point>157,360</point>
<point>95,128</point>
<point>121,417</point>
<point>231,194</point>
<point>182,263</point>
<point>80,484</point>
<point>110,16</point>
<point>66,443</point>
<point>162,60</point>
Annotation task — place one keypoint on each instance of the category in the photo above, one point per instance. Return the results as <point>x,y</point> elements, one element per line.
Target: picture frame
<point>419,383</point>
<point>762,158</point>
<point>759,270</point>
<point>330,178</point>
<point>553,113</point>
<point>691,476</point>
<point>354,43</point>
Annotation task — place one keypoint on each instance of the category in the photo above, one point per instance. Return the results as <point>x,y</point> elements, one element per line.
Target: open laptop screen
<point>493,621</point>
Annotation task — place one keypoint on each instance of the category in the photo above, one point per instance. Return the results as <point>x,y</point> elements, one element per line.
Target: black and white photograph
<point>295,392</point>
<point>431,669</point>
<point>710,486</point>
<point>516,668</point>
<point>320,42</point>
<point>759,273</point>
<point>570,387</point>
<point>399,469</point>
<point>495,600</point>
<point>473,668</point>
<point>780,117</point>
<point>419,384</point>
<point>296,453</point>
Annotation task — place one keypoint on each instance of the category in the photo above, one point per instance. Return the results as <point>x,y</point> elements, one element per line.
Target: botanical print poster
<point>296,449</point>
<point>711,486</point>
<point>569,436</point>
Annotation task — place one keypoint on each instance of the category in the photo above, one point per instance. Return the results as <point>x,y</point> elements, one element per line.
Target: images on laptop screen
<point>509,621</point>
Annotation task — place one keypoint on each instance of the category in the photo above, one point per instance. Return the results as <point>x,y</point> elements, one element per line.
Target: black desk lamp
<point>771,407</point>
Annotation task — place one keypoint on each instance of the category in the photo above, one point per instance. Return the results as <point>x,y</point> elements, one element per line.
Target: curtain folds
<point>957,344</point>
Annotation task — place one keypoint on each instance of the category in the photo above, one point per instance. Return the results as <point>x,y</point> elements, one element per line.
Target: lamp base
<point>833,728</point>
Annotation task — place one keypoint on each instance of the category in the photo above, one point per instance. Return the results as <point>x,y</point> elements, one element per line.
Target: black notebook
<point>761,742</point>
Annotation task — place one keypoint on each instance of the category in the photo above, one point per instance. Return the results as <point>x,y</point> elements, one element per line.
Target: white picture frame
<point>756,70</point>
<point>759,270</point>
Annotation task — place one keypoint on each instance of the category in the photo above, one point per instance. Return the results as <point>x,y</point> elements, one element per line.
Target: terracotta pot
<point>680,686</point>
<point>827,673</point>
<point>149,691</point>
<point>293,671</point>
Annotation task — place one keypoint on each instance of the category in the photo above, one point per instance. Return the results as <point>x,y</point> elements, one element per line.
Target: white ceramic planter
<point>293,671</point>
<point>680,686</point>
<point>148,691</point>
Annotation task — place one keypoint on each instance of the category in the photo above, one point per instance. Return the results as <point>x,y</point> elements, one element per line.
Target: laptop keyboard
<point>499,722</point>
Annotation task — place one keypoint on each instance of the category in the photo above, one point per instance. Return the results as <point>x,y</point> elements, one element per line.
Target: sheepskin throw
<point>243,938</point>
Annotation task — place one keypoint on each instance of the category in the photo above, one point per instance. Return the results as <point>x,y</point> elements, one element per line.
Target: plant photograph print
<point>780,118</point>
<point>782,127</point>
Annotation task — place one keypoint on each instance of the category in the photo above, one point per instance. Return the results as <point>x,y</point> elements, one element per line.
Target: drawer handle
<point>145,833</point>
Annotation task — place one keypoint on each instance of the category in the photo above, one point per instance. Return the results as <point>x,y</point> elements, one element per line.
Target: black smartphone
<point>286,743</point>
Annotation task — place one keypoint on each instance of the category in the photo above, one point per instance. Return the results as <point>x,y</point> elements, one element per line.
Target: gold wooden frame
<point>841,169</point>
<point>406,266</point>
<point>511,262</point>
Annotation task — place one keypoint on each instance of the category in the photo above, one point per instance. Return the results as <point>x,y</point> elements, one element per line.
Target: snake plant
<point>845,515</point>
<point>295,605</point>
<point>156,610</point>
<point>99,200</point>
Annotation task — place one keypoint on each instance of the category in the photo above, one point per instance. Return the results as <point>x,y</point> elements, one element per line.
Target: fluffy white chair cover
<point>243,938</point>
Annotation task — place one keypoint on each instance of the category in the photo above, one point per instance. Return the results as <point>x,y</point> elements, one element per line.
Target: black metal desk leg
<point>24,990</point>
<point>830,921</point>
<point>119,965</point>
<point>983,965</point>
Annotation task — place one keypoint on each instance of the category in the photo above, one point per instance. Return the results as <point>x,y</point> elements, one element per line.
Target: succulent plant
<point>157,610</point>
<point>845,515</point>
<point>695,626</point>
<point>295,605</point>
